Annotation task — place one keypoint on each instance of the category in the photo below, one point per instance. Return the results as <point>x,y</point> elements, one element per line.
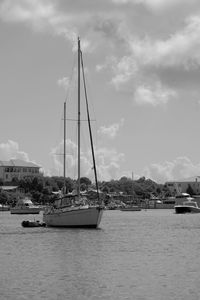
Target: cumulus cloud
<point>56,155</point>
<point>40,15</point>
<point>64,82</point>
<point>137,59</point>
<point>179,168</point>
<point>156,95</point>
<point>107,162</point>
<point>139,71</point>
<point>156,5</point>
<point>181,49</point>
<point>10,150</point>
<point>112,130</point>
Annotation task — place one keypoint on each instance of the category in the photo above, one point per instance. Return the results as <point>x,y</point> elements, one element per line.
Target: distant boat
<point>74,210</point>
<point>180,197</point>
<point>4,207</point>
<point>130,207</point>
<point>25,206</point>
<point>188,206</point>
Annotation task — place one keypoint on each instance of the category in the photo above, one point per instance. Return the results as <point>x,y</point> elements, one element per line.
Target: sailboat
<point>72,210</point>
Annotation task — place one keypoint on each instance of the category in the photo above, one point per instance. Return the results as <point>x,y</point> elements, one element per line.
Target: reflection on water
<point>150,254</point>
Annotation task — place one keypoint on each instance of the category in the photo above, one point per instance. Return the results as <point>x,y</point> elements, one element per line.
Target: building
<point>182,186</point>
<point>16,168</point>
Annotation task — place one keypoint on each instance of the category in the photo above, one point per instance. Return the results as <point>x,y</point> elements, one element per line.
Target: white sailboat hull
<point>89,217</point>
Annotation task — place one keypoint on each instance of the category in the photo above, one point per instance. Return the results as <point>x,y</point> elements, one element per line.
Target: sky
<point>142,66</point>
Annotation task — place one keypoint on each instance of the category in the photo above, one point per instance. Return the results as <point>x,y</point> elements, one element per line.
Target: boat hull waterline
<point>25,206</point>
<point>180,209</point>
<point>24,211</point>
<point>74,217</point>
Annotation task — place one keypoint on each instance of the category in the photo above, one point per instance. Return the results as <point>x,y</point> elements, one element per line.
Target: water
<point>152,254</point>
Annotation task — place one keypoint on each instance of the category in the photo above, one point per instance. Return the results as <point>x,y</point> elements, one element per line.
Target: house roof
<point>17,163</point>
<point>190,179</point>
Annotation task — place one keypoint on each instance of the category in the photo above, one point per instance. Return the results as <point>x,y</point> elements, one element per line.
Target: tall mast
<point>79,119</point>
<point>90,131</point>
<point>64,155</point>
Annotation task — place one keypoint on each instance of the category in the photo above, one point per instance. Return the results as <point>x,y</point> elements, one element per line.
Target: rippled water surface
<point>152,254</point>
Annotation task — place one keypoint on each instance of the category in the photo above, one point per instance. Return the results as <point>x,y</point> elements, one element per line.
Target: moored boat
<point>4,207</point>
<point>25,206</point>
<point>69,211</point>
<point>188,206</point>
<point>73,217</point>
<point>131,208</point>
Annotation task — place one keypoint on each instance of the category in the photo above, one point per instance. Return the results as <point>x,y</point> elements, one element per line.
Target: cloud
<point>42,16</point>
<point>157,95</point>
<point>139,71</point>
<point>10,150</point>
<point>57,156</point>
<point>64,82</point>
<point>26,10</point>
<point>107,162</point>
<point>180,168</point>
<point>181,49</point>
<point>138,56</point>
<point>156,5</point>
<point>125,70</point>
<point>46,16</point>
<point>112,130</point>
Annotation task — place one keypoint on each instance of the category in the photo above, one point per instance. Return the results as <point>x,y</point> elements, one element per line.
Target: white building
<point>16,168</point>
<point>182,185</point>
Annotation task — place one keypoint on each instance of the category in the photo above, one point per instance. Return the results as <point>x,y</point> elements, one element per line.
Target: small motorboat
<point>25,206</point>
<point>188,206</point>
<point>4,207</point>
<point>33,224</point>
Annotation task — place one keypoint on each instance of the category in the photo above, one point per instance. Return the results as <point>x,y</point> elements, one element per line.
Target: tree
<point>85,182</point>
<point>15,181</point>
<point>4,198</point>
<point>105,189</point>
<point>190,190</point>
<point>37,184</point>
<point>123,179</point>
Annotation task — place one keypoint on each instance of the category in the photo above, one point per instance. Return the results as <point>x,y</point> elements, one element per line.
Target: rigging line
<point>92,107</point>
<point>90,130</point>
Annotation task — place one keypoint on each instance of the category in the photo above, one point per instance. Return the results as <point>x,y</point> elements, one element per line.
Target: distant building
<point>183,185</point>
<point>16,168</point>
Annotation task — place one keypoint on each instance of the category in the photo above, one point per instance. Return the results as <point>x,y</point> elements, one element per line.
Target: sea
<point>149,254</point>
